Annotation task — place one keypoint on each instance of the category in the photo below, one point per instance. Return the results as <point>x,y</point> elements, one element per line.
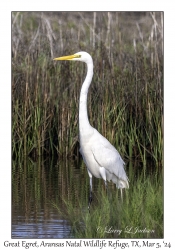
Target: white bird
<point>100,156</point>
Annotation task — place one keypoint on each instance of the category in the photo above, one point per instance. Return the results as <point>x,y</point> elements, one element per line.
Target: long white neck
<point>84,125</point>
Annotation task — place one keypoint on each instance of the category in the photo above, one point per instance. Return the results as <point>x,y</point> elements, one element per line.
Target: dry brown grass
<point>125,100</point>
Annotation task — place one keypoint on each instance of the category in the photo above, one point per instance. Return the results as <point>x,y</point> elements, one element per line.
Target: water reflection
<point>39,190</point>
<point>54,228</point>
<point>36,187</point>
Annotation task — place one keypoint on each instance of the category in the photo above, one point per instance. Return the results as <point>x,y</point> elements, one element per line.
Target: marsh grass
<point>125,104</point>
<point>140,215</point>
<point>125,101</point>
<point>64,185</point>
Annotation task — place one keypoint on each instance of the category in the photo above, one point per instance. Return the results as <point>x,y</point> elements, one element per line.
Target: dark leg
<point>90,200</point>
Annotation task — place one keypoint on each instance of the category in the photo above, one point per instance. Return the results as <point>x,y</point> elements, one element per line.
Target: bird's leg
<point>106,186</point>
<point>90,200</point>
<point>90,196</point>
<point>121,194</point>
<point>103,176</point>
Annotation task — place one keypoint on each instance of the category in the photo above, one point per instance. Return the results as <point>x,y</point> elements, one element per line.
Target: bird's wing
<point>107,156</point>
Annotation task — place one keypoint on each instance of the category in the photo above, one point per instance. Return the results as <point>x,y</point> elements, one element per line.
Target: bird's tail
<point>122,184</point>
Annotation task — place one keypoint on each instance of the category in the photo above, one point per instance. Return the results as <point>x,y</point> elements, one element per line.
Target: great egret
<point>101,158</point>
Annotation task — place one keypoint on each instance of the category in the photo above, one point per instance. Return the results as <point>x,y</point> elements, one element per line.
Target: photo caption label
<point>99,244</point>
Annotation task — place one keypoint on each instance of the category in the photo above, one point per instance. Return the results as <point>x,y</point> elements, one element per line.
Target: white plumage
<point>100,156</point>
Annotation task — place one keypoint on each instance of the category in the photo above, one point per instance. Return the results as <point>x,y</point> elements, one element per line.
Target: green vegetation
<point>64,186</point>
<point>140,215</point>
<point>126,96</point>
<point>125,104</point>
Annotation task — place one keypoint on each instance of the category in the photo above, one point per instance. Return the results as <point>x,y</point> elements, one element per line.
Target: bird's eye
<point>78,56</point>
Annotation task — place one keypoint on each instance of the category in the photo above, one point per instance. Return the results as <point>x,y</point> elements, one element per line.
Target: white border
<point>5,97</point>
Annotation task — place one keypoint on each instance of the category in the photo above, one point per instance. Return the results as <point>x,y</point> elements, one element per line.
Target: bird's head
<point>79,56</point>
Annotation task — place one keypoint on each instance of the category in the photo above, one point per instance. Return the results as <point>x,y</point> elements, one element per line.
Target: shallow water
<point>53,227</point>
<point>39,190</point>
<point>37,187</point>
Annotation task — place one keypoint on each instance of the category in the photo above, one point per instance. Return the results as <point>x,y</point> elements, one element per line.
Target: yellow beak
<point>67,57</point>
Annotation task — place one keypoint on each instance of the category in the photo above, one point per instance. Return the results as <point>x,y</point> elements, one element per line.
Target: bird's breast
<point>89,159</point>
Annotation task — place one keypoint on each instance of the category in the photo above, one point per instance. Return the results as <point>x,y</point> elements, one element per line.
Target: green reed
<point>125,101</point>
<point>65,185</point>
<point>140,215</point>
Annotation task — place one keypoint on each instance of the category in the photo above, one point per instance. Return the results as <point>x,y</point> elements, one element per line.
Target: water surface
<point>37,187</point>
<point>39,190</point>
